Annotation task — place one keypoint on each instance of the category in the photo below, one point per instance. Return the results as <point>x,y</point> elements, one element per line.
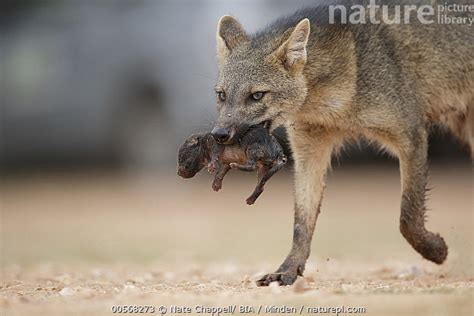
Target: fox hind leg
<point>414,173</point>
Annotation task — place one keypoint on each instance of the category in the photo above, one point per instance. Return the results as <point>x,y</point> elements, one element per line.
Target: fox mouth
<point>237,134</point>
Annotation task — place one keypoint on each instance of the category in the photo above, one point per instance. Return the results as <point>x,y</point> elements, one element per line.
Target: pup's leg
<point>220,174</point>
<point>251,165</point>
<point>263,175</point>
<point>215,154</point>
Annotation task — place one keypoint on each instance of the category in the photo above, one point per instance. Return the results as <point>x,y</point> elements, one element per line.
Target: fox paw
<point>285,275</point>
<point>433,248</point>
<point>283,278</point>
<point>234,165</point>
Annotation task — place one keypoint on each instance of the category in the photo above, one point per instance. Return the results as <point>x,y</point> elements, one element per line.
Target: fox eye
<point>221,96</point>
<point>257,95</point>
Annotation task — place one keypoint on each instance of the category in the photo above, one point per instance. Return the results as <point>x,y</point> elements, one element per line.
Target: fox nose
<point>221,135</point>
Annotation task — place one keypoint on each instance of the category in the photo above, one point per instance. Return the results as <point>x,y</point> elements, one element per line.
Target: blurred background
<point>119,83</point>
<point>96,97</point>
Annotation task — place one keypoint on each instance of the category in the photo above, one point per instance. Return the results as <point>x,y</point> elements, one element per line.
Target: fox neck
<point>331,73</point>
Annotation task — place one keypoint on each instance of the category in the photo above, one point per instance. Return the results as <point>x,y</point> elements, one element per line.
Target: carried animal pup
<point>257,149</point>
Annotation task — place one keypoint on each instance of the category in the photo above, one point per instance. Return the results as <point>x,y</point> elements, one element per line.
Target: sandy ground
<point>78,244</point>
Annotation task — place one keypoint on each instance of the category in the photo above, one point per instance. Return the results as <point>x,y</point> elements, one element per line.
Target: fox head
<point>260,79</point>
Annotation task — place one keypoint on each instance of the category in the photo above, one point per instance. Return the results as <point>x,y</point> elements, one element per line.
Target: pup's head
<point>261,77</point>
<point>192,155</point>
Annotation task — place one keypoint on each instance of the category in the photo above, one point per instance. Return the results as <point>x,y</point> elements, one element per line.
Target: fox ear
<point>293,51</point>
<point>230,34</point>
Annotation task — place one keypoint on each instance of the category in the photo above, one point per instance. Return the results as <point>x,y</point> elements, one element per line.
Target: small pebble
<point>246,280</point>
<point>275,287</point>
<point>67,291</point>
<point>129,288</point>
<point>412,272</point>
<point>300,286</point>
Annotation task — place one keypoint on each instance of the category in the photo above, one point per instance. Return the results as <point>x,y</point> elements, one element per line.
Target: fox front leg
<point>312,153</point>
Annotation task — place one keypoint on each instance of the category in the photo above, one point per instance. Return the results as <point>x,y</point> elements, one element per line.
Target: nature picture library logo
<point>446,13</point>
